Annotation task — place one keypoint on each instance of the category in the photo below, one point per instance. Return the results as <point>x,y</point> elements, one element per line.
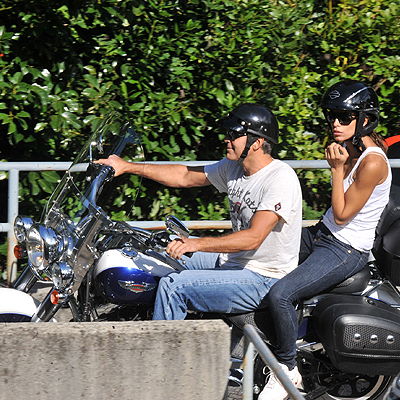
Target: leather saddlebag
<point>360,335</point>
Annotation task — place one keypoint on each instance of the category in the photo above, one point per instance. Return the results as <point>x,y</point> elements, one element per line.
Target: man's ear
<point>258,143</point>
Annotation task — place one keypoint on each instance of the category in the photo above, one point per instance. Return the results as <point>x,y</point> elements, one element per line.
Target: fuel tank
<point>128,277</point>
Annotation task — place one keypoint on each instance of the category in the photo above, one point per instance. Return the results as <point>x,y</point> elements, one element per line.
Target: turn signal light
<point>18,252</point>
<point>54,297</point>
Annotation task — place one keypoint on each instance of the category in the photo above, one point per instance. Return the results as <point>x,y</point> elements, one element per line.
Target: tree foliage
<point>174,67</point>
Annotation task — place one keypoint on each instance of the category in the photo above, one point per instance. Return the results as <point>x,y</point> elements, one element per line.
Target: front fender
<point>16,306</point>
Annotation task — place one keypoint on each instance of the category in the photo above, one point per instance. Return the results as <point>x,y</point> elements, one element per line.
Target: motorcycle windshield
<point>81,188</point>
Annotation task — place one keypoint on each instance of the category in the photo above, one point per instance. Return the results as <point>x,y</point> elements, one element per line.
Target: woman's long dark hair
<point>379,141</point>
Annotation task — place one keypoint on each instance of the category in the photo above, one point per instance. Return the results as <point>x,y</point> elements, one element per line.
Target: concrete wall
<point>153,360</point>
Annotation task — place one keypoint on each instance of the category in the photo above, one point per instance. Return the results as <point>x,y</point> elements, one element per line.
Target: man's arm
<point>249,239</point>
<point>174,175</point>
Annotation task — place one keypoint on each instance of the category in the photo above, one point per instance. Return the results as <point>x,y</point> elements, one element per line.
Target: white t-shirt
<point>274,188</point>
<point>359,232</point>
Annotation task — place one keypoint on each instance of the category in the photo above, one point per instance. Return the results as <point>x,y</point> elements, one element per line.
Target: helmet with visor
<point>253,121</point>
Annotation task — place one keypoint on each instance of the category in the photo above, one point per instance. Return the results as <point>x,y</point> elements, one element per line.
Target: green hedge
<point>174,67</point>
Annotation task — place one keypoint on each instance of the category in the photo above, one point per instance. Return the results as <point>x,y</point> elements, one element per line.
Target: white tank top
<point>360,231</point>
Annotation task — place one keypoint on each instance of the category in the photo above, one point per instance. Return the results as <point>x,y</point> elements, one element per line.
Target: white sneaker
<point>273,390</point>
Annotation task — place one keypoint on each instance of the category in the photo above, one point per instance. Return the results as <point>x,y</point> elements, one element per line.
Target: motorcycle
<point>102,267</point>
<point>348,343</point>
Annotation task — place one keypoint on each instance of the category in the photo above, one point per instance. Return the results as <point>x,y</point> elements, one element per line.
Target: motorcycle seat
<point>356,283</point>
<point>261,317</point>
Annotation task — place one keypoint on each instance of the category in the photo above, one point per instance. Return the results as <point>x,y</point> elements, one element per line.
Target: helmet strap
<point>360,131</point>
<point>250,140</point>
<point>358,143</point>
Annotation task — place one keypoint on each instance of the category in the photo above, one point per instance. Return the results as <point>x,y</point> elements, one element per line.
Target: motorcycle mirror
<point>99,145</point>
<point>176,226</point>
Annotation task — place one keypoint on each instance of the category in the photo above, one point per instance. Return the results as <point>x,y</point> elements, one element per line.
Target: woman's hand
<point>336,155</point>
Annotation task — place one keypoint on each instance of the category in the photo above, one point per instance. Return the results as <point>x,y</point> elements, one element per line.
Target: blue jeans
<point>206,288</point>
<point>324,262</point>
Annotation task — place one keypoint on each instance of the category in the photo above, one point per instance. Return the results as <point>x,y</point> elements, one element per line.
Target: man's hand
<point>115,162</point>
<point>178,247</point>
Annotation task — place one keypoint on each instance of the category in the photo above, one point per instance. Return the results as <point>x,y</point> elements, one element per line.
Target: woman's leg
<point>330,263</point>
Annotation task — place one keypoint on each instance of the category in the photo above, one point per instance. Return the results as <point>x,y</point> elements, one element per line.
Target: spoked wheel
<point>333,384</point>
<point>323,382</point>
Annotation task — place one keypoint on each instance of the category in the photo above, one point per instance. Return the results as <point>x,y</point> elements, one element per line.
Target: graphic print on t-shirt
<point>242,207</point>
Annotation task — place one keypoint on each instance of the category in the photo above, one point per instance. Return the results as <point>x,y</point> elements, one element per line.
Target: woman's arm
<point>371,172</point>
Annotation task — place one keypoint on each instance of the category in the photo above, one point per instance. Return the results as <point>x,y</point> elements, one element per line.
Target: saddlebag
<point>386,249</point>
<point>360,335</point>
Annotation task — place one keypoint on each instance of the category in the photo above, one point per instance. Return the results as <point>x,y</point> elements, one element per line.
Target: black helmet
<point>354,96</point>
<point>252,119</point>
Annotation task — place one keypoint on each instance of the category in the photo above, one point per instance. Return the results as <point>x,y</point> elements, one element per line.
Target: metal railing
<point>254,341</point>
<point>14,168</point>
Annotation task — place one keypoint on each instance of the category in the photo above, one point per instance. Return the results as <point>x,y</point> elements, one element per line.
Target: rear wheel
<point>323,382</point>
<point>333,384</point>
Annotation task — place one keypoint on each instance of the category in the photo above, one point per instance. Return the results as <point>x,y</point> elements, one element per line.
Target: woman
<point>338,246</point>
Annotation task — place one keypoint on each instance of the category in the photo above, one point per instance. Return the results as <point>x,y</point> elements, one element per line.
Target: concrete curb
<point>150,360</point>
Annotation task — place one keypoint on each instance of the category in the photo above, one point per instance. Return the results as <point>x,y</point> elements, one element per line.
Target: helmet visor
<point>234,123</point>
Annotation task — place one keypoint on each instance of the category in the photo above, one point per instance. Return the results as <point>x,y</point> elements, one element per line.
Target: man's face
<point>234,146</point>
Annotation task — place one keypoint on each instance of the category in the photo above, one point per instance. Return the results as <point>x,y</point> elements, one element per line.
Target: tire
<point>323,382</point>
<point>338,385</point>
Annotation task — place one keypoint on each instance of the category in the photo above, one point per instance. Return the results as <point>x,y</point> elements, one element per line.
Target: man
<point>233,273</point>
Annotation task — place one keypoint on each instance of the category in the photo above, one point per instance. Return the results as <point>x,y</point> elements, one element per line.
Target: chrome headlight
<point>21,227</point>
<point>62,275</point>
<point>43,246</point>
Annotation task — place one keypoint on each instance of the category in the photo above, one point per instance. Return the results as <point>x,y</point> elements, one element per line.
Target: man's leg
<point>201,260</point>
<point>216,290</point>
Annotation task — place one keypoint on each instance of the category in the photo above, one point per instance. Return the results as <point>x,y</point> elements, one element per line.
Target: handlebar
<point>99,175</point>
